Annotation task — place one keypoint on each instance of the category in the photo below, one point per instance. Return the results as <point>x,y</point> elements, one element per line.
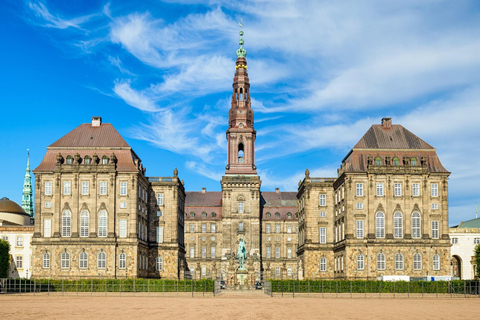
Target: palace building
<point>98,214</point>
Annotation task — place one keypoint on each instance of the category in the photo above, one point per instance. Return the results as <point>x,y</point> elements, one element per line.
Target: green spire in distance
<point>27,196</point>
<point>240,51</point>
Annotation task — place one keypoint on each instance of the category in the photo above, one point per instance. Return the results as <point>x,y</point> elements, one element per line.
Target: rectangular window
<point>323,235</point>
<point>277,228</point>
<point>123,228</point>
<point>435,206</point>
<point>269,252</point>
<point>192,228</point>
<point>476,240</point>
<point>204,228</point>
<point>204,252</point>
<point>323,200</point>
<point>323,264</point>
<point>379,189</point>
<point>19,262</point>
<point>240,226</point>
<point>359,189</point>
<point>323,214</point>
<point>123,188</point>
<point>159,199</point>
<point>240,207</point>
<point>289,229</point>
<point>277,271</point>
<point>454,240</point>
<point>47,228</point>
<point>159,264</point>
<point>123,204</point>
<point>103,188</point>
<point>359,205</point>
<point>48,188</point>
<point>289,271</point>
<point>289,252</point>
<point>435,232</point>
<point>67,188</point>
<point>192,252</point>
<point>397,190</point>
<point>434,189</point>
<point>48,204</point>
<point>213,228</point>
<point>159,234</point>
<point>359,229</point>
<point>277,252</point>
<point>19,241</point>
<point>85,188</point>
<point>212,252</point>
<point>268,228</point>
<point>415,189</point>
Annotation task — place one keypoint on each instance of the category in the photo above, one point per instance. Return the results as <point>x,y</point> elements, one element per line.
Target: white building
<point>16,228</point>
<point>464,238</point>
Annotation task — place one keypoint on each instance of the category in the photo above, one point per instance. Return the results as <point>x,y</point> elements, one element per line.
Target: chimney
<point>204,190</point>
<point>96,121</point>
<point>386,122</point>
<point>277,190</point>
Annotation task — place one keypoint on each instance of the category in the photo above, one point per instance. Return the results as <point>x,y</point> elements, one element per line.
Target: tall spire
<point>27,197</point>
<point>241,134</point>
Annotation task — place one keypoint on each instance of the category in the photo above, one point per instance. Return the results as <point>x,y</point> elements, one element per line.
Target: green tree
<point>4,258</point>
<point>477,260</point>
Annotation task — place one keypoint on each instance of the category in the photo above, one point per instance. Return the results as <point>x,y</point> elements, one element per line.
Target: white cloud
<point>133,97</point>
<point>54,21</point>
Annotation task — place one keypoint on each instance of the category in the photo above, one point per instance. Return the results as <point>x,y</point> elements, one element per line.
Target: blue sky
<point>321,73</point>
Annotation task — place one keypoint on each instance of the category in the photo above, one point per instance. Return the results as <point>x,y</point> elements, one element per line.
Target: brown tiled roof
<point>279,199</point>
<point>203,199</point>
<point>393,137</point>
<point>198,211</point>
<point>87,136</point>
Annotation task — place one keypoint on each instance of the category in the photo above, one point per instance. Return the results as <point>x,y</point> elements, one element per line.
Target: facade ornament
<point>175,172</point>
<point>59,158</point>
<point>307,173</point>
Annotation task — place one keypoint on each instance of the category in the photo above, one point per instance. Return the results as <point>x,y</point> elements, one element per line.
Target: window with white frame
<point>415,189</point>
<point>123,204</point>
<point>102,260</point>
<point>66,223</point>
<point>65,260</point>
<point>122,261</point>
<point>359,189</point>
<point>46,260</point>
<point>84,223</point>
<point>360,262</point>
<point>434,188</point>
<point>48,188</point>
<point>277,271</point>
<point>267,228</point>
<point>192,228</point>
<point>277,252</point>
<point>380,225</point>
<point>48,204</point>
<point>123,188</point>
<point>476,240</point>
<point>240,207</point>
<point>398,225</point>
<point>323,264</point>
<point>379,189</point>
<point>289,252</point>
<point>212,252</point>
<point>323,200</point>
<point>103,188</point>
<point>83,260</point>
<point>123,228</point>
<point>417,261</point>
<point>435,231</point>
<point>454,240</point>
<point>398,261</point>
<point>269,252</point>
<point>85,188</point>
<point>359,229</point>
<point>323,214</point>
<point>204,252</point>
<point>159,199</point>
<point>19,262</point>
<point>289,271</point>
<point>436,262</point>
<point>277,228</point>
<point>160,234</point>
<point>434,206</point>
<point>5,238</point>
<point>380,261</point>
<point>192,252</point>
<point>289,229</point>
<point>323,235</point>
<point>102,223</point>
<point>159,264</point>
<point>159,213</point>
<point>47,228</point>
<point>359,205</point>
<point>397,189</point>
<point>213,228</point>
<point>416,225</point>
<point>67,188</point>
<point>19,241</point>
<point>204,227</point>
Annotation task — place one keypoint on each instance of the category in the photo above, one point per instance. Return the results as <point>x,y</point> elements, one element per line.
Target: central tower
<point>241,184</point>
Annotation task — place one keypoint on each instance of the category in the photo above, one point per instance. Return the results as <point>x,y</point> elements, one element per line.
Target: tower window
<point>240,153</point>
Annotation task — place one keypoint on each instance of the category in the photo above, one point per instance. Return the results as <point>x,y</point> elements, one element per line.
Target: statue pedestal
<point>242,278</point>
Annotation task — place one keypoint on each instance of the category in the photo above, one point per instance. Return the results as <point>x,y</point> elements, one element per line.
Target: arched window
<point>289,215</point>
<point>104,160</point>
<point>66,223</point>
<point>277,215</point>
<point>436,262</point>
<point>398,261</point>
<point>398,225</point>
<point>83,260</point>
<point>102,223</point>
<point>416,225</point>
<point>413,162</point>
<point>380,261</point>
<point>396,161</point>
<point>241,93</point>
<point>380,225</point>
<point>122,261</point>
<point>84,223</point>
<point>417,261</point>
<point>102,260</point>
<point>214,215</point>
<point>240,153</point>
<point>323,264</point>
<point>360,262</point>
<point>204,215</point>
<point>87,160</point>
<point>46,260</point>
<point>69,160</point>
<point>269,214</point>
<point>65,260</point>
<point>378,161</point>
<point>192,214</point>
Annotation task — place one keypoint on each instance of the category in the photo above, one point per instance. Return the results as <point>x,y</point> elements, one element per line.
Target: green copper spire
<point>27,197</point>
<point>241,52</point>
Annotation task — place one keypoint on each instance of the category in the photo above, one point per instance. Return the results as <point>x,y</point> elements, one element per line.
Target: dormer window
<point>69,160</point>
<point>378,161</point>
<point>87,160</point>
<point>277,215</point>
<point>414,162</point>
<point>204,215</point>
<point>105,160</point>
<point>240,153</point>
<point>192,214</point>
<point>396,162</point>
<point>269,214</point>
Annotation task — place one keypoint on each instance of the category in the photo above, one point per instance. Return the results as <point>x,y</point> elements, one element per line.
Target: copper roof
<point>9,206</point>
<point>88,136</point>
<point>392,137</point>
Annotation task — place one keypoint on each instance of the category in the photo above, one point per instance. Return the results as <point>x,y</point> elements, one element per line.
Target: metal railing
<point>373,289</point>
<point>139,287</point>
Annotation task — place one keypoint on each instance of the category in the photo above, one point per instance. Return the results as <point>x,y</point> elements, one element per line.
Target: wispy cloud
<point>50,20</point>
